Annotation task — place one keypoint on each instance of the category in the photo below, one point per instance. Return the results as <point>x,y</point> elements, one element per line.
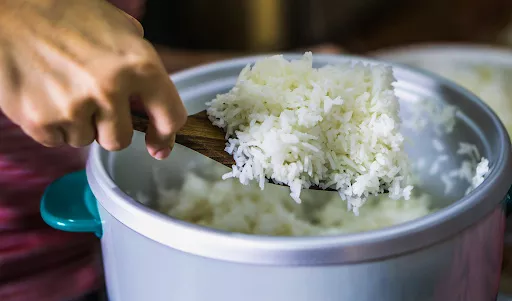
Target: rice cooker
<point>452,254</point>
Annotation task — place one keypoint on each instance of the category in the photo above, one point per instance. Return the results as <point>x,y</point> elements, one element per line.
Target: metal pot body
<point>464,268</point>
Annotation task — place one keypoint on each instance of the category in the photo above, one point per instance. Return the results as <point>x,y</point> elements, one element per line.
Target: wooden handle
<point>198,134</point>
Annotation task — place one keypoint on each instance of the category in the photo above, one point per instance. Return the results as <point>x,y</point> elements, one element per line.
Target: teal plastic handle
<point>69,205</point>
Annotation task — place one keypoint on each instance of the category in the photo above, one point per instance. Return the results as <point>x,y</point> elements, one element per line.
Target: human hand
<point>68,69</point>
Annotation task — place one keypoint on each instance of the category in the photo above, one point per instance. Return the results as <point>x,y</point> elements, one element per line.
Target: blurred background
<point>357,26</point>
<point>193,32</point>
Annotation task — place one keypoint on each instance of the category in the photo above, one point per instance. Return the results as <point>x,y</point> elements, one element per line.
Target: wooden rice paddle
<point>200,135</point>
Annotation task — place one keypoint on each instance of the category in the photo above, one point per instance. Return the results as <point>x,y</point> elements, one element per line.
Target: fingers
<point>159,152</point>
<point>80,133</point>
<point>167,115</point>
<point>111,127</point>
<point>59,125</point>
<point>149,84</point>
<point>143,79</point>
<point>114,129</point>
<point>76,119</point>
<point>50,136</point>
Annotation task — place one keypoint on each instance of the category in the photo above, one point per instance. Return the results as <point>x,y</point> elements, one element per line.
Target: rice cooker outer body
<point>451,255</point>
<point>465,267</point>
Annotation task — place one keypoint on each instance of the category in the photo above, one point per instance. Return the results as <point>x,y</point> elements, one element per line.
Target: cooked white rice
<point>473,167</point>
<point>482,169</point>
<point>426,112</point>
<point>230,206</point>
<point>227,205</point>
<point>334,126</point>
<point>490,83</point>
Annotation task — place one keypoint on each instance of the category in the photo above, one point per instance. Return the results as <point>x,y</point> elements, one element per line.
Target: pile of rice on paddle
<point>333,127</point>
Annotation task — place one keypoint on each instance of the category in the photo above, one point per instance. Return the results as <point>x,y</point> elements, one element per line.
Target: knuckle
<point>31,116</point>
<point>168,128</point>
<point>172,125</point>
<point>141,47</point>
<point>107,87</point>
<point>183,118</point>
<point>179,122</point>
<point>106,99</point>
<point>36,119</point>
<point>145,67</point>
<point>75,108</point>
<point>124,73</point>
<point>144,59</point>
<point>44,136</point>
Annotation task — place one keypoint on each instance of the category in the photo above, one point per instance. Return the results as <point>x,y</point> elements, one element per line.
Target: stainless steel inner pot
<point>114,176</point>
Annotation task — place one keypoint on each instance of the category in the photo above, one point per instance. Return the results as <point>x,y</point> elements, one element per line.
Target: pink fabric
<point>65,282</point>
<point>24,260</point>
<point>37,262</point>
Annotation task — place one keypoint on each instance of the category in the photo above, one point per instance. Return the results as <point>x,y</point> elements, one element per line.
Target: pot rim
<point>318,250</point>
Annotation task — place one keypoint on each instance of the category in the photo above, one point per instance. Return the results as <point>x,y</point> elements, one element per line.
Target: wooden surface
<point>198,134</point>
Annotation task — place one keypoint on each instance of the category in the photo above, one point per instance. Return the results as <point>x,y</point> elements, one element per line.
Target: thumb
<point>166,113</point>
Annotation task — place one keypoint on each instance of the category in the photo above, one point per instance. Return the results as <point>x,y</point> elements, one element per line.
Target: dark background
<point>357,25</point>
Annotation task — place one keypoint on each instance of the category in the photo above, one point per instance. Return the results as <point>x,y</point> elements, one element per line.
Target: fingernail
<point>163,153</point>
